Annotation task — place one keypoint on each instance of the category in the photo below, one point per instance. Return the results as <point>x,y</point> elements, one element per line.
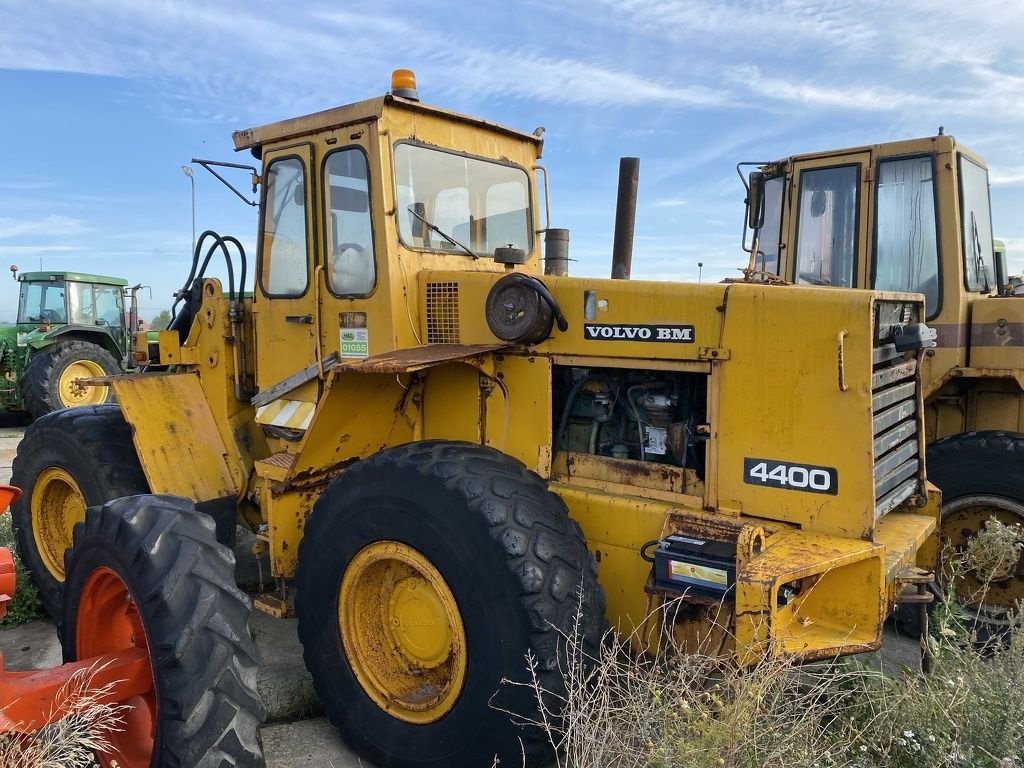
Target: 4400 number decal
<point>793,477</point>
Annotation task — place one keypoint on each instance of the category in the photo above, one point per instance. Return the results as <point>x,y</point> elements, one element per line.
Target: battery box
<point>698,566</point>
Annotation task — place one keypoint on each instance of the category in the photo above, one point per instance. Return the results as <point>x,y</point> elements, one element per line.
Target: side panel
<point>174,431</point>
<point>779,386</point>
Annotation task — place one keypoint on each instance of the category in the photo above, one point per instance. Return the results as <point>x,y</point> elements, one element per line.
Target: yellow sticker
<point>702,572</point>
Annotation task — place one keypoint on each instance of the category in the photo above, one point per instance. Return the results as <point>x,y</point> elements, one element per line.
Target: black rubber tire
<point>981,464</point>
<point>196,623</point>
<point>39,384</point>
<point>94,445</point>
<point>512,558</point>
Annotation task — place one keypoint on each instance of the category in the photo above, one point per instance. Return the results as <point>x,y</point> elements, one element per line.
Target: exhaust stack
<point>625,217</point>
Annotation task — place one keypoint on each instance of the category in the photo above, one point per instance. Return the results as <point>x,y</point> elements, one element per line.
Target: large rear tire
<point>981,475</point>
<point>426,575</point>
<point>147,572</point>
<point>68,461</point>
<point>49,380</point>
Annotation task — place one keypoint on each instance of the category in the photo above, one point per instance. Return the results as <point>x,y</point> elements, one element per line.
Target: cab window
<point>96,304</point>
<point>481,204</point>
<point>42,303</point>
<point>826,245</point>
<point>771,231</point>
<point>976,221</point>
<point>350,269</point>
<point>906,240</point>
<point>285,260</point>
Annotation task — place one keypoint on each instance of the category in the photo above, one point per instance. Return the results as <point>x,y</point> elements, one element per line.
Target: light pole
<point>700,269</point>
<point>187,170</point>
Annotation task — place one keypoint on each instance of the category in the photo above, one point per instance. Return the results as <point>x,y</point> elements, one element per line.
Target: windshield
<point>42,303</point>
<point>480,203</point>
<point>976,221</point>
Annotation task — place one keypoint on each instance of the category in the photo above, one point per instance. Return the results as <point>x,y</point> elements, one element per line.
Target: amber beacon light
<point>403,83</point>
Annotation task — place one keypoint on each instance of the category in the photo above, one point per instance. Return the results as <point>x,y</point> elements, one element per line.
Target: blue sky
<point>104,100</point>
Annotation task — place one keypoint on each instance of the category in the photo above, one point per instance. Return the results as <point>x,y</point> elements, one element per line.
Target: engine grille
<point>442,313</point>
<point>894,415</point>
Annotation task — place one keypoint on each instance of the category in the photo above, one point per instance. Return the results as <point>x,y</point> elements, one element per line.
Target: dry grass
<point>700,711</point>
<point>72,741</point>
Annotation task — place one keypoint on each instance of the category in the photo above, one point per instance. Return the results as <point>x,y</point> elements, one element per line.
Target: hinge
<point>713,353</point>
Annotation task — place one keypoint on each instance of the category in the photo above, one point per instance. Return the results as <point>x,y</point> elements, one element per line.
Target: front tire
<point>981,475</point>
<point>426,574</point>
<point>68,461</point>
<point>146,572</point>
<point>49,380</point>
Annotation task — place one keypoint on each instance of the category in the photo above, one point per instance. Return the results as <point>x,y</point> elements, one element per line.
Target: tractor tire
<point>426,574</point>
<point>48,382</point>
<point>68,461</point>
<point>146,572</point>
<point>981,475</point>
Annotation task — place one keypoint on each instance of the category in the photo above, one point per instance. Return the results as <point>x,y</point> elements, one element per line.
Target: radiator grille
<point>442,313</point>
<point>894,417</point>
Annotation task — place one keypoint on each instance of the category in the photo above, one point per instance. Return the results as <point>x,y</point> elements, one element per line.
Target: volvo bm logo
<point>614,332</point>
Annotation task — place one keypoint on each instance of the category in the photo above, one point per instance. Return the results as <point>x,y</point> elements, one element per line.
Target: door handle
<point>298,319</point>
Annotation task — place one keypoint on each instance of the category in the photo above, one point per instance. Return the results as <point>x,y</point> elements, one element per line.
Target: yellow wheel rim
<point>57,504</point>
<point>402,632</point>
<point>961,519</point>
<point>72,394</point>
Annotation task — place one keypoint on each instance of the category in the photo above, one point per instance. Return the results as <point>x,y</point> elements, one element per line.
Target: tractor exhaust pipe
<point>625,217</point>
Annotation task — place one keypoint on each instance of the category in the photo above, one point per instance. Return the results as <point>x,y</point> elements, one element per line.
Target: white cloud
<point>1006,177</point>
<point>52,226</point>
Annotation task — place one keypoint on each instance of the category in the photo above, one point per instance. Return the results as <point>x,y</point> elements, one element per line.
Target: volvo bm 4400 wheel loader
<point>453,457</point>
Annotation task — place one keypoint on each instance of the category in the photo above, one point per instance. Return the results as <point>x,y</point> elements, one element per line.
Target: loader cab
<point>904,216</point>
<point>356,204</point>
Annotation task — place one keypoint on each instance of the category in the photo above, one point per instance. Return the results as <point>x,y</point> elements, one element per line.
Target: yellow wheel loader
<point>455,453</point>
<point>914,216</point>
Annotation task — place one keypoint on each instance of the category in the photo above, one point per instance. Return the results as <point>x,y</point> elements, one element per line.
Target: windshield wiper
<point>442,233</point>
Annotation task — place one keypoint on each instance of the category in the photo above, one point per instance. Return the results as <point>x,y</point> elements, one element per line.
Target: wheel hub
<point>57,503</point>
<point>962,520</point>
<point>402,632</point>
<point>73,394</point>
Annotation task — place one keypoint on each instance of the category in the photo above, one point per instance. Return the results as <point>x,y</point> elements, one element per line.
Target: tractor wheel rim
<point>57,504</point>
<point>109,621</point>
<point>961,519</point>
<point>72,394</point>
<point>402,632</point>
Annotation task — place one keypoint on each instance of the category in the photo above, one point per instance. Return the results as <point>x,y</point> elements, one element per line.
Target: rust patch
<point>416,358</point>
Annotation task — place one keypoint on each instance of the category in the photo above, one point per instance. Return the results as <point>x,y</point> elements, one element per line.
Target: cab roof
<point>76,277</point>
<point>360,112</point>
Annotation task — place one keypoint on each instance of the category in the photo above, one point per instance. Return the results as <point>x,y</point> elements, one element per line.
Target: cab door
<point>353,313</point>
<point>830,221</point>
<point>285,307</point>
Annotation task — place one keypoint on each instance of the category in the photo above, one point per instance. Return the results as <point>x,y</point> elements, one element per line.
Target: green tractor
<point>70,326</point>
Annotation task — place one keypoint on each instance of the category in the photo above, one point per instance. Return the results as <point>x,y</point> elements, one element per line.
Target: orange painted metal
<point>113,651</point>
<point>8,495</point>
<point>30,700</point>
<point>109,623</point>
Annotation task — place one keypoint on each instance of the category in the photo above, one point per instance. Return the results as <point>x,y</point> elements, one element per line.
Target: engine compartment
<point>643,415</point>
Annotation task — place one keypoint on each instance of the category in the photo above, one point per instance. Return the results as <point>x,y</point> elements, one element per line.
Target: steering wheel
<point>52,315</point>
<point>342,247</point>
